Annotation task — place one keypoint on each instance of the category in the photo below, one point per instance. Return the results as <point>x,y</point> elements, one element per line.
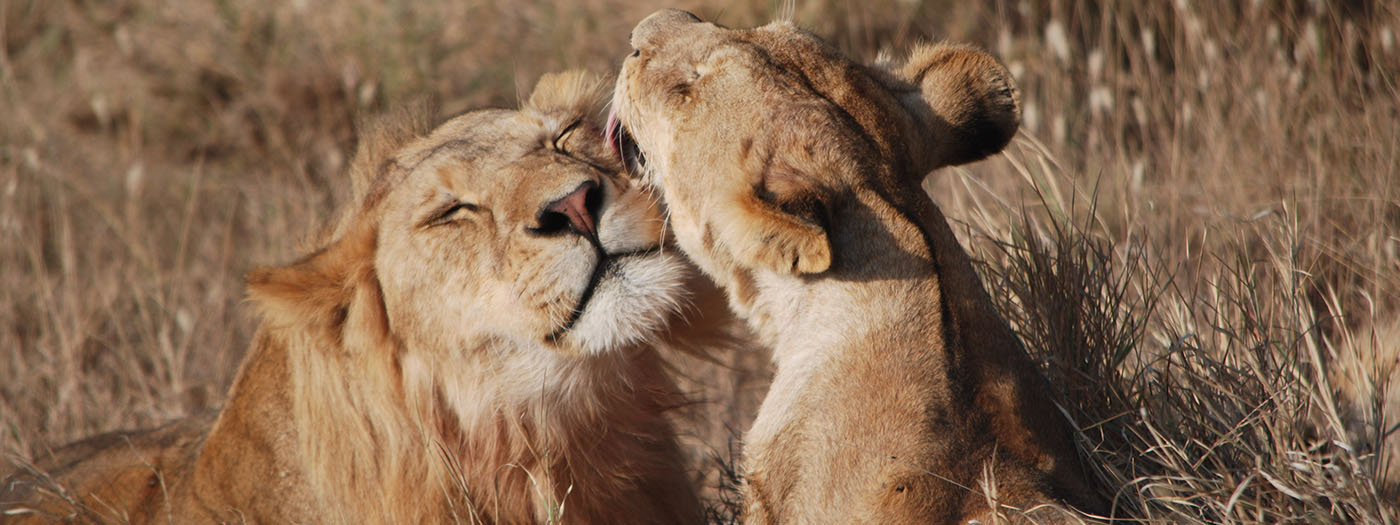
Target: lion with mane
<point>793,177</point>
<point>471,347</point>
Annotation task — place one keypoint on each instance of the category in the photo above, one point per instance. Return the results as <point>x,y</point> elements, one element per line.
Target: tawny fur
<point>792,176</point>
<point>426,366</point>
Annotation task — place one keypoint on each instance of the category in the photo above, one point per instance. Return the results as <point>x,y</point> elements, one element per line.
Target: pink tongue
<point>611,133</point>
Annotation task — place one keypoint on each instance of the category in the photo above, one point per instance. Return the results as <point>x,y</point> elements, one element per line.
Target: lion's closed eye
<point>449,213</point>
<point>579,146</point>
<point>561,141</point>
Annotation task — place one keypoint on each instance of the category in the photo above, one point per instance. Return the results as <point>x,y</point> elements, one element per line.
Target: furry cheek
<point>632,301</point>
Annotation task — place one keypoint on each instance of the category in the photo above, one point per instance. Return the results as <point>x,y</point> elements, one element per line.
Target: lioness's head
<point>799,124</point>
<point>498,226</point>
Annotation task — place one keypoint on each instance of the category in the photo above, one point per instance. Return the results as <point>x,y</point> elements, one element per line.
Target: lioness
<point>792,176</point>
<point>469,348</point>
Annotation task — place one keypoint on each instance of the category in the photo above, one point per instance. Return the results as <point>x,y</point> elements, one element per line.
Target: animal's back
<point>122,477</point>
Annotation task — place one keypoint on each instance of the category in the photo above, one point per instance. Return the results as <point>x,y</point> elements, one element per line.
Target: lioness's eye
<point>449,213</point>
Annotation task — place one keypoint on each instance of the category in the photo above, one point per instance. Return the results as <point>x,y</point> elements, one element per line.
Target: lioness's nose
<point>574,211</point>
<point>660,23</point>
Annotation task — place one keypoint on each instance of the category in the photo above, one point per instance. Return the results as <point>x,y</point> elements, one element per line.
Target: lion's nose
<point>575,211</point>
<point>661,22</point>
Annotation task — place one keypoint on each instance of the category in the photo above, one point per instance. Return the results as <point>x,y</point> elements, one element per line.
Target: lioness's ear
<point>965,103</point>
<point>576,92</point>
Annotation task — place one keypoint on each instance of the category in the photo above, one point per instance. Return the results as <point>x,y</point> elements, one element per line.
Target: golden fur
<point>430,365</point>
<point>792,176</point>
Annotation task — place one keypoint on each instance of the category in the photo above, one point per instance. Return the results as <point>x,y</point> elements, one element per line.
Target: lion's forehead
<point>503,135</point>
<point>487,155</point>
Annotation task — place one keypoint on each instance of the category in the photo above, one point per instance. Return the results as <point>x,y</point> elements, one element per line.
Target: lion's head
<point>504,225</point>
<point>479,321</point>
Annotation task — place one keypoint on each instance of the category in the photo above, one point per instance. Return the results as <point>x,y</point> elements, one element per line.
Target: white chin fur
<point>632,301</point>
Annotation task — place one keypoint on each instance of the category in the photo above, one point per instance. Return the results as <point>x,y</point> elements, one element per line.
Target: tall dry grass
<point>1196,233</point>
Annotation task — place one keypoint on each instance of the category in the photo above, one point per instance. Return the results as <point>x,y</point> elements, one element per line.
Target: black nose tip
<point>576,211</point>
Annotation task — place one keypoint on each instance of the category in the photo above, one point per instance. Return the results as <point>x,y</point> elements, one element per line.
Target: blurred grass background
<point>1197,232</point>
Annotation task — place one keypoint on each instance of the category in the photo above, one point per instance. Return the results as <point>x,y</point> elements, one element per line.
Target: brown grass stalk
<point>1197,233</point>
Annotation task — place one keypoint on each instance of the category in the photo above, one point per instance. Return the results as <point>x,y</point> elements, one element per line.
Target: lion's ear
<point>964,102</point>
<point>382,136</point>
<point>328,291</point>
<point>576,92</point>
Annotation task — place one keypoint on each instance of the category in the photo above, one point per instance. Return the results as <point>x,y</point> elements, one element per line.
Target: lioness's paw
<point>761,236</point>
<point>795,248</point>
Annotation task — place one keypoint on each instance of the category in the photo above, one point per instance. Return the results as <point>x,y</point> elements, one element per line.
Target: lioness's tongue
<point>612,133</point>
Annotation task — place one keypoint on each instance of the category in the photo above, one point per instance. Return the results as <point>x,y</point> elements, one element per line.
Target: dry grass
<point>1197,233</point>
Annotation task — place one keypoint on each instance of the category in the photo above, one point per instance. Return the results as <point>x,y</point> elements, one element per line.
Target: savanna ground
<point>1197,232</point>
